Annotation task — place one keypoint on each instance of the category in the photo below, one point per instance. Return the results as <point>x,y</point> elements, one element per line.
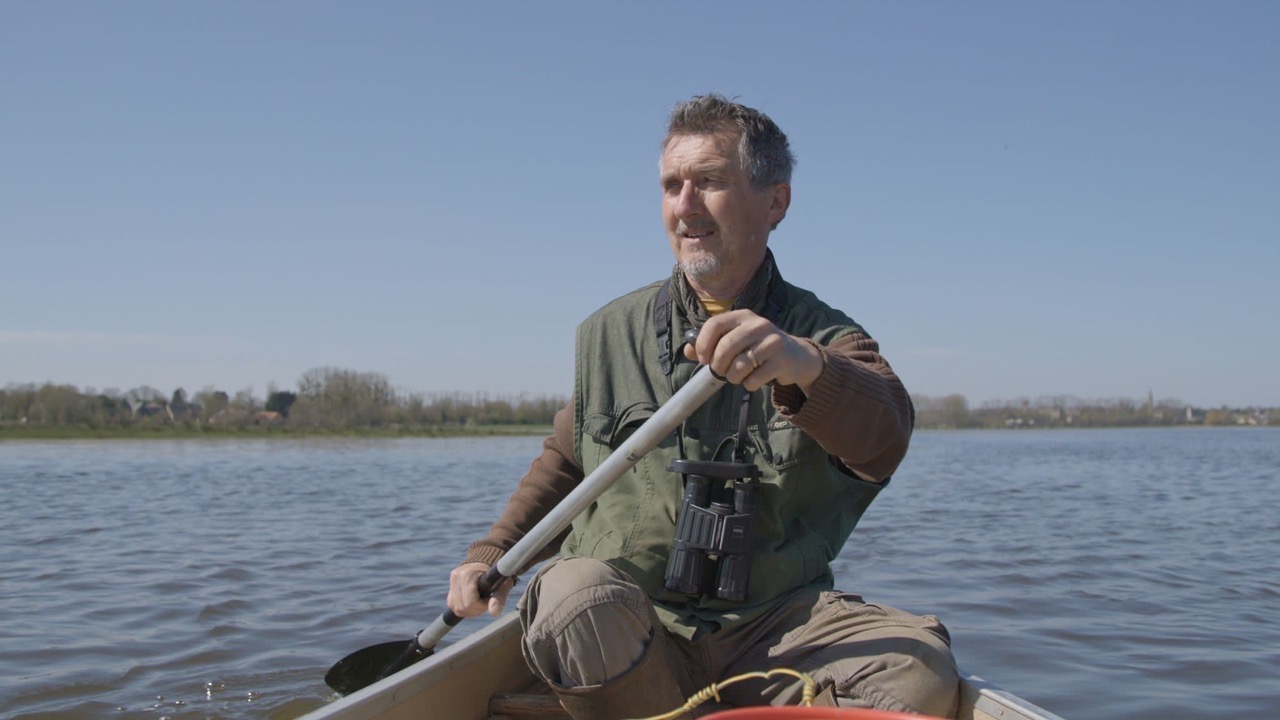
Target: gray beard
<point>705,265</point>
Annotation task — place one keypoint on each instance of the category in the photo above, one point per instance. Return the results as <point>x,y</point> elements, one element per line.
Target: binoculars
<point>713,537</point>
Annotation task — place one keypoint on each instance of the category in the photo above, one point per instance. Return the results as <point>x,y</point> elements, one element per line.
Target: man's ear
<point>779,203</point>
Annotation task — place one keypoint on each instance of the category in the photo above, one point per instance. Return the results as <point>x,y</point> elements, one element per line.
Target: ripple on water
<point>224,609</point>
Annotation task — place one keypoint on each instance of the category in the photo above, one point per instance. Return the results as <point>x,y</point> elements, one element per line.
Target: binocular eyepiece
<point>712,535</point>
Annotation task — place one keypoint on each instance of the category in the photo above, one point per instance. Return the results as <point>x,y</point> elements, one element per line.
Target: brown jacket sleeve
<point>553,475</point>
<point>858,411</point>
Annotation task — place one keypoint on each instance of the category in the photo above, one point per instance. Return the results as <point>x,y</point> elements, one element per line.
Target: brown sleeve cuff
<point>482,553</point>
<point>791,401</point>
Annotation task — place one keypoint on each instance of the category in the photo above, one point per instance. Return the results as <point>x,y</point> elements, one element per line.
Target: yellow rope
<point>712,691</point>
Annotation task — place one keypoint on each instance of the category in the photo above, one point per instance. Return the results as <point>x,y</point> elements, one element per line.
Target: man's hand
<point>464,592</point>
<point>748,350</point>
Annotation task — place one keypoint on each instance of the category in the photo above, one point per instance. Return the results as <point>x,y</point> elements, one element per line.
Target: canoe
<point>484,677</point>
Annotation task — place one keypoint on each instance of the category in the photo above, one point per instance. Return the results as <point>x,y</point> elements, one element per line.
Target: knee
<point>575,589</point>
<point>584,622</point>
<point>917,676</point>
<point>932,684</point>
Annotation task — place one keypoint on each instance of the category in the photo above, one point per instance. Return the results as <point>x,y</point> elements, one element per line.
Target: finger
<point>708,339</point>
<point>757,372</point>
<point>690,352</point>
<point>734,327</point>
<point>738,354</point>
<point>730,342</point>
<point>498,599</point>
<point>456,602</point>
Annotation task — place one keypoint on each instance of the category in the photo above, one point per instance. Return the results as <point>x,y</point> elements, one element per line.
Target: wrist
<point>811,366</point>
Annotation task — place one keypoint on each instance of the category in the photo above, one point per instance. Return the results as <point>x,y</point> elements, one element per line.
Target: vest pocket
<point>606,529</point>
<point>613,429</point>
<point>786,446</point>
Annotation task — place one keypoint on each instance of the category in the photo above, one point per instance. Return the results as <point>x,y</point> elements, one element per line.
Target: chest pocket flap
<point>613,428</point>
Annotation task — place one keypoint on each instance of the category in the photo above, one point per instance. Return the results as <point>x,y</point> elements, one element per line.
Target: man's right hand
<point>464,592</point>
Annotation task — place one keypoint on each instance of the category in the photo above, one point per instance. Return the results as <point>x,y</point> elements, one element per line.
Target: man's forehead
<point>699,152</point>
<point>727,137</point>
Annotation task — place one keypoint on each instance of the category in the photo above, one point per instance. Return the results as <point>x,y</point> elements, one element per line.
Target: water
<point>1101,573</point>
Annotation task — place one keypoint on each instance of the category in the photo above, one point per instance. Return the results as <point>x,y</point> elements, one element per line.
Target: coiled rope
<point>712,691</point>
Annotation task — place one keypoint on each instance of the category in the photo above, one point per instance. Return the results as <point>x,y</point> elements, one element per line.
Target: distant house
<point>228,416</point>
<point>152,408</point>
<point>267,417</point>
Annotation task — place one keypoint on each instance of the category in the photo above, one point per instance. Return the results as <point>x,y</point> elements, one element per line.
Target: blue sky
<point>1017,199</point>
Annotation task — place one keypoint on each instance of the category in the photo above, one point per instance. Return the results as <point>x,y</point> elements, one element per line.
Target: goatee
<point>700,266</point>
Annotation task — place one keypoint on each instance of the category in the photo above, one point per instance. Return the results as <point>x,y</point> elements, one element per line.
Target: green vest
<point>808,505</point>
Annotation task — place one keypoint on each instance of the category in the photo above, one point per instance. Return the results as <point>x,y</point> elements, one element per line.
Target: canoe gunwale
<point>980,699</point>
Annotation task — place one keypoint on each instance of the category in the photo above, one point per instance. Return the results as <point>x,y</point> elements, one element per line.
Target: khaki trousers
<point>591,633</point>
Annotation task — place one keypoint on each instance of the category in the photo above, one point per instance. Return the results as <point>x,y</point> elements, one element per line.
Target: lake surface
<point>1097,573</point>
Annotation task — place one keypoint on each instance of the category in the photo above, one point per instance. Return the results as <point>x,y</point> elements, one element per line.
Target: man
<point>825,424</point>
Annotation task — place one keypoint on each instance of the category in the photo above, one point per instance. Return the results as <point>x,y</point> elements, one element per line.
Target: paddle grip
<point>489,581</point>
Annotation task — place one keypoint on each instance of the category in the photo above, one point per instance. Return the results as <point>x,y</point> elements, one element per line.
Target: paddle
<point>366,666</point>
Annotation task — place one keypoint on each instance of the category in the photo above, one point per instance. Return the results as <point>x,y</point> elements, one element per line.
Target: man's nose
<point>689,201</point>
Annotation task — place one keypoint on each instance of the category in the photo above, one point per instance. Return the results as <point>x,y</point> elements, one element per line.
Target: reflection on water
<point>1117,573</point>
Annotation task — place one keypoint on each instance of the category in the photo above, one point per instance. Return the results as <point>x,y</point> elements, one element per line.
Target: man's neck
<point>695,292</point>
<point>718,289</point>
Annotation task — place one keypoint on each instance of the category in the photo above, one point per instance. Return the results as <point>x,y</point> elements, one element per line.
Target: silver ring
<point>755,364</point>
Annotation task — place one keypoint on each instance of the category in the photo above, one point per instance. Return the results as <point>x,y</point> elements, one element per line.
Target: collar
<point>753,297</point>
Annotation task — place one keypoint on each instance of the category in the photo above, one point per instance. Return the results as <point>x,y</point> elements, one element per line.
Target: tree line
<point>954,412</point>
<point>326,399</point>
<point>336,400</point>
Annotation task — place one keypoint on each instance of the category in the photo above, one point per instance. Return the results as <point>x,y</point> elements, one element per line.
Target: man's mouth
<point>696,233</point>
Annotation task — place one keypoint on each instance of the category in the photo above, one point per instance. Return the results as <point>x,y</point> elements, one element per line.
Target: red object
<point>795,712</point>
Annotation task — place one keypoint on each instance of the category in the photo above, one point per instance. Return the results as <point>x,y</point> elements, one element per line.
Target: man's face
<point>716,222</point>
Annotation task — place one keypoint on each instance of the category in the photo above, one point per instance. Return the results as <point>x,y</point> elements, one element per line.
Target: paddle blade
<point>369,665</point>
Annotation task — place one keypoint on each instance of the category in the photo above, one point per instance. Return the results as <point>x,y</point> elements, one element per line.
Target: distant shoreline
<point>274,433</point>
<point>12,433</point>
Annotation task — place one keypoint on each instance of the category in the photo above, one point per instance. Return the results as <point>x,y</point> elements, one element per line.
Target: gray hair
<point>762,145</point>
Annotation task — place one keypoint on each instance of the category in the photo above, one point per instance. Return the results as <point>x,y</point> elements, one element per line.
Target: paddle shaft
<point>697,391</point>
